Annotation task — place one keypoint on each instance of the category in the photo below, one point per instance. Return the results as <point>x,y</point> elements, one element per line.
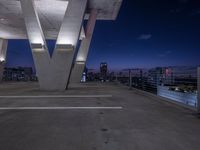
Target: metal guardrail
<point>180,84</point>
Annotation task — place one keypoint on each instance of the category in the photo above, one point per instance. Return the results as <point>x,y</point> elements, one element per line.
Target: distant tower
<point>84,75</point>
<point>168,75</point>
<point>103,70</point>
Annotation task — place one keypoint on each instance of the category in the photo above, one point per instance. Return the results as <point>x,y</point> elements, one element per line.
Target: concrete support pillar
<point>53,73</point>
<point>198,89</point>
<point>81,58</point>
<point>3,51</point>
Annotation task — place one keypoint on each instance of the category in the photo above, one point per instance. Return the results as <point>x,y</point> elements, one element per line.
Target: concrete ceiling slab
<point>51,13</point>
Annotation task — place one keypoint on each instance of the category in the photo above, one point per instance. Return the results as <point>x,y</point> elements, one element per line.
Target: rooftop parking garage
<point>92,116</point>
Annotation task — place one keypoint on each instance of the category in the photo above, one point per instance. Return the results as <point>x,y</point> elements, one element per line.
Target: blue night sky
<point>147,33</point>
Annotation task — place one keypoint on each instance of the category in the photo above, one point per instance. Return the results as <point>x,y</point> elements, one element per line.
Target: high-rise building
<point>103,71</point>
<point>18,74</point>
<point>168,75</point>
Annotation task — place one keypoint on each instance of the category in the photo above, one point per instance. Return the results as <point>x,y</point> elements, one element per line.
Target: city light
<point>64,47</point>
<point>65,41</point>
<point>2,59</point>
<point>80,62</point>
<point>80,58</point>
<point>37,47</point>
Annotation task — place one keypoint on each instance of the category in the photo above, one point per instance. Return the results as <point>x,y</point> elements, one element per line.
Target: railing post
<point>198,89</point>
<point>130,79</point>
<point>116,77</point>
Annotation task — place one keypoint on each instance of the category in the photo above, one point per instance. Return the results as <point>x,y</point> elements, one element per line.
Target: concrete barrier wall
<point>186,98</point>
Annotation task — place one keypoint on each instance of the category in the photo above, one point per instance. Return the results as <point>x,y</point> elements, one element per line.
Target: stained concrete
<point>144,123</point>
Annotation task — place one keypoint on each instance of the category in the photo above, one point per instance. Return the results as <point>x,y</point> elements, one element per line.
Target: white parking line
<point>56,96</point>
<point>59,108</point>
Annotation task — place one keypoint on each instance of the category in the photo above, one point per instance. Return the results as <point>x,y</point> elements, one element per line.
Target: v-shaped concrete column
<point>53,73</point>
<point>3,51</point>
<point>81,58</point>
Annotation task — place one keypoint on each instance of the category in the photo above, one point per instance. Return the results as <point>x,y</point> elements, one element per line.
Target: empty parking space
<point>106,117</point>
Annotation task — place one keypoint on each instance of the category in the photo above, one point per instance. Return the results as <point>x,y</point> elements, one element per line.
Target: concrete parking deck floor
<point>143,123</point>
